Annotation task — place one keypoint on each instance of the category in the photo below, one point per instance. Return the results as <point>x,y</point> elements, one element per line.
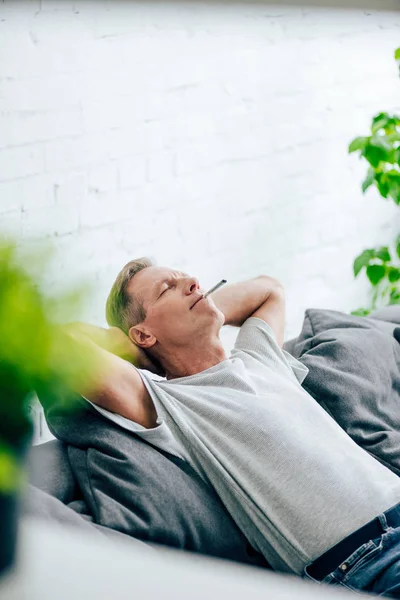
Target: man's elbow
<point>272,283</point>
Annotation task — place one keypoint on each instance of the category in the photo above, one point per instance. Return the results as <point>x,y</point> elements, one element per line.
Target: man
<point>304,494</point>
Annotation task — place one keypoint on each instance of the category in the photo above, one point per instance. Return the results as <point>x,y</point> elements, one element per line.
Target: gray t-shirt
<point>292,479</point>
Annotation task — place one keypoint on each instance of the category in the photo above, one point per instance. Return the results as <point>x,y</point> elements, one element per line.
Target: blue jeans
<point>373,568</point>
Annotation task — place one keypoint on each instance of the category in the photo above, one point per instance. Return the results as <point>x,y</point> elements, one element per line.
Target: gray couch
<point>100,477</point>
<point>53,494</point>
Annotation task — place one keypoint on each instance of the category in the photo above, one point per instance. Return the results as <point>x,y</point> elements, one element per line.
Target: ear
<point>141,336</point>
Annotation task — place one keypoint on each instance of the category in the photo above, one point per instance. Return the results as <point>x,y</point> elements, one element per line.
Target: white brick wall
<point>212,137</point>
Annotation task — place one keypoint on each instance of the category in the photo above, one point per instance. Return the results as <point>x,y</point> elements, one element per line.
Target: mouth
<point>197,301</point>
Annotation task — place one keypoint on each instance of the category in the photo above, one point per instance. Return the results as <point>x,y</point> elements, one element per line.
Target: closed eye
<point>166,290</point>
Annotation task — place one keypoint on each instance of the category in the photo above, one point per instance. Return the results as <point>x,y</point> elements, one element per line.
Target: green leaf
<point>395,194</point>
<point>379,117</point>
<point>360,312</point>
<point>375,154</point>
<point>388,184</point>
<point>394,296</point>
<point>391,156</point>
<point>382,184</point>
<point>380,141</point>
<point>386,122</point>
<point>375,273</point>
<point>369,180</point>
<point>383,253</point>
<point>397,54</point>
<point>362,261</point>
<point>359,143</point>
<point>380,148</point>
<point>393,175</point>
<point>393,274</point>
<point>379,122</point>
<point>393,137</point>
<point>393,181</point>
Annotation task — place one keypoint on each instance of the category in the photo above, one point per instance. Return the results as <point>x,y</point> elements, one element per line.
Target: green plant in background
<point>34,352</point>
<point>381,150</point>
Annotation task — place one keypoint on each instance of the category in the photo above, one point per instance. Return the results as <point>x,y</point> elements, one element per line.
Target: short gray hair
<point>125,309</point>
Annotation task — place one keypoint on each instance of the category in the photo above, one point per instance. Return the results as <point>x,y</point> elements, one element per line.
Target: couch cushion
<point>36,503</point>
<point>39,504</point>
<point>50,471</point>
<point>132,487</point>
<point>354,373</point>
<point>388,313</point>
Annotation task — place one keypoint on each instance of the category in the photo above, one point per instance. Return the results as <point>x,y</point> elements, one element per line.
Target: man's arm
<point>261,297</point>
<point>106,379</point>
<point>115,341</point>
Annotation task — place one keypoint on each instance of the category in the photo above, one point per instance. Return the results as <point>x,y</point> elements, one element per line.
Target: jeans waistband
<point>330,560</point>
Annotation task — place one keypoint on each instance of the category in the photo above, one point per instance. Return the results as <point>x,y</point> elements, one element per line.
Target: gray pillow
<point>354,374</point>
<point>132,487</point>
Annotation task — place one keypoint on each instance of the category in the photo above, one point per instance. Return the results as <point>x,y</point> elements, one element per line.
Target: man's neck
<point>189,360</point>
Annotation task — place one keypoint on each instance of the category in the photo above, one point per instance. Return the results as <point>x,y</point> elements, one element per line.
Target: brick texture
<point>212,137</point>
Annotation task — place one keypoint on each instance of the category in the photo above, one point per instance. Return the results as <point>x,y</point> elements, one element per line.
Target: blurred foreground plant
<point>34,352</point>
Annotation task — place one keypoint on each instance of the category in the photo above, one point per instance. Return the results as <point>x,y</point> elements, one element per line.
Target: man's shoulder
<point>252,326</point>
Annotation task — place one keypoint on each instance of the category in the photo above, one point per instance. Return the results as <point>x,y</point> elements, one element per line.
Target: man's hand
<point>238,301</point>
<point>115,341</point>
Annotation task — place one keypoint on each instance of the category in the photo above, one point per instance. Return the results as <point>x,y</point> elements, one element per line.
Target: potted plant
<point>33,353</point>
<point>381,149</point>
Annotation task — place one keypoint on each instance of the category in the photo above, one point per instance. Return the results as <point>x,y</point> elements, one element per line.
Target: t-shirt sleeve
<point>257,339</point>
<point>160,435</point>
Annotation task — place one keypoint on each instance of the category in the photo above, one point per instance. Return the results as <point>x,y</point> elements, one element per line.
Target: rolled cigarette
<point>215,288</point>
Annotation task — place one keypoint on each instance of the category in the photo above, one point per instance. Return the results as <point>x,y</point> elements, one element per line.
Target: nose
<point>192,285</point>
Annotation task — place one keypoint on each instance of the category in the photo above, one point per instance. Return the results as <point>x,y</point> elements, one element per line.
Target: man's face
<point>176,313</point>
